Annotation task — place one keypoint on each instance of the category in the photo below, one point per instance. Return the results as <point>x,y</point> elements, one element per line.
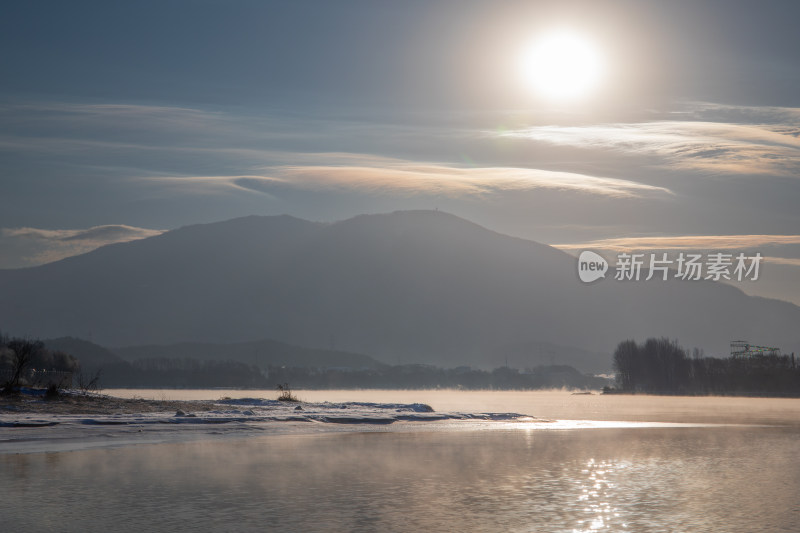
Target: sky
<point>122,120</point>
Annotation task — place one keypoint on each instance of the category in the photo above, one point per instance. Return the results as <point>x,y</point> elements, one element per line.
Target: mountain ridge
<point>408,286</point>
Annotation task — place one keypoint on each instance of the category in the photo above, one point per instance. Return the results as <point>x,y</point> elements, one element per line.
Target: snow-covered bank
<point>36,426</point>
<point>254,411</point>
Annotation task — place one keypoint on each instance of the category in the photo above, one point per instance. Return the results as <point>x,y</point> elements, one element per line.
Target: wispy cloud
<point>123,114</point>
<point>736,114</point>
<point>684,242</point>
<point>790,261</point>
<point>35,246</point>
<point>378,175</point>
<point>706,138</point>
<point>120,130</point>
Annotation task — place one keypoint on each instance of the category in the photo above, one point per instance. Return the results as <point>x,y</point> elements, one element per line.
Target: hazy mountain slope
<point>90,355</point>
<point>534,353</point>
<point>418,286</point>
<point>92,359</point>
<point>260,353</point>
<point>142,291</point>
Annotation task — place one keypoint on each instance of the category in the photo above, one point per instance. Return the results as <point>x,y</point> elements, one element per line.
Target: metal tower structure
<point>741,349</point>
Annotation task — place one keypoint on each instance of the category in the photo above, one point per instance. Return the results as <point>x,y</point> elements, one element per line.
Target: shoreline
<point>32,424</point>
<point>74,403</point>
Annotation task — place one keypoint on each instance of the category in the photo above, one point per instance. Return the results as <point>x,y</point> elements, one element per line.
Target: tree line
<point>27,362</point>
<point>419,376</point>
<point>194,373</point>
<point>662,366</point>
<point>185,373</point>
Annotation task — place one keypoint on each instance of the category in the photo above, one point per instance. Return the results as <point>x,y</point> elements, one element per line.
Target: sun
<point>563,66</point>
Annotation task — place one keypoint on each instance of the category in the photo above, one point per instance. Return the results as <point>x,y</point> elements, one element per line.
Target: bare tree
<point>626,364</point>
<point>87,384</point>
<point>22,353</point>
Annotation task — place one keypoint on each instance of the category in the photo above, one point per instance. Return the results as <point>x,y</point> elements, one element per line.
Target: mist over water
<point>697,479</point>
<point>553,404</point>
<point>738,476</point>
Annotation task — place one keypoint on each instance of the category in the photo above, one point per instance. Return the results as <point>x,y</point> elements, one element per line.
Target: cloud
<point>124,115</point>
<point>381,175</point>
<point>34,246</point>
<point>708,142</point>
<point>710,111</point>
<point>685,242</point>
<point>767,245</point>
<point>147,135</point>
<point>791,261</point>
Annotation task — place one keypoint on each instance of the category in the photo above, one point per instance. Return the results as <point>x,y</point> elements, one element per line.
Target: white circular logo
<point>591,266</point>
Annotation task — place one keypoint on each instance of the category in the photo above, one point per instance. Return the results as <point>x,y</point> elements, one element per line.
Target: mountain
<point>262,353</point>
<point>91,357</point>
<point>535,354</point>
<point>415,286</point>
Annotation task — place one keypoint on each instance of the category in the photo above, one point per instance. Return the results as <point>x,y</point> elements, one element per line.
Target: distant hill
<point>91,357</point>
<point>260,353</point>
<point>532,354</point>
<point>405,287</point>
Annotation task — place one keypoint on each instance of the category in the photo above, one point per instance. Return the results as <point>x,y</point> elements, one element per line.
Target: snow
<point>31,432</point>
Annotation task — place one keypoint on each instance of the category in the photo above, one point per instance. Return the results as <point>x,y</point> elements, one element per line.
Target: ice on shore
<point>255,410</point>
<point>24,432</point>
<point>344,413</point>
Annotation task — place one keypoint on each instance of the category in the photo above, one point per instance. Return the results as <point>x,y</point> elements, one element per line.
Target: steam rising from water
<point>552,405</point>
<point>690,479</point>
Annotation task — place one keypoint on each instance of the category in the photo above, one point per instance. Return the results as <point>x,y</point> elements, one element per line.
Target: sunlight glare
<point>563,65</point>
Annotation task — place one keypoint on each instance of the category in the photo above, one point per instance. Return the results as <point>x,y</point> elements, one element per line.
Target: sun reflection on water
<point>659,480</point>
<point>596,497</point>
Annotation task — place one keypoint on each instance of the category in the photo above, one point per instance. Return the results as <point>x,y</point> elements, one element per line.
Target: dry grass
<point>95,404</point>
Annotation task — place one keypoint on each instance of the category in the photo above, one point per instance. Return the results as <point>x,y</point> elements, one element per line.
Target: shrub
<point>52,392</point>
<point>286,394</point>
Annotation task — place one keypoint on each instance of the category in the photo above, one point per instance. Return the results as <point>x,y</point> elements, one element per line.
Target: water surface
<point>670,479</point>
<point>439,477</point>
